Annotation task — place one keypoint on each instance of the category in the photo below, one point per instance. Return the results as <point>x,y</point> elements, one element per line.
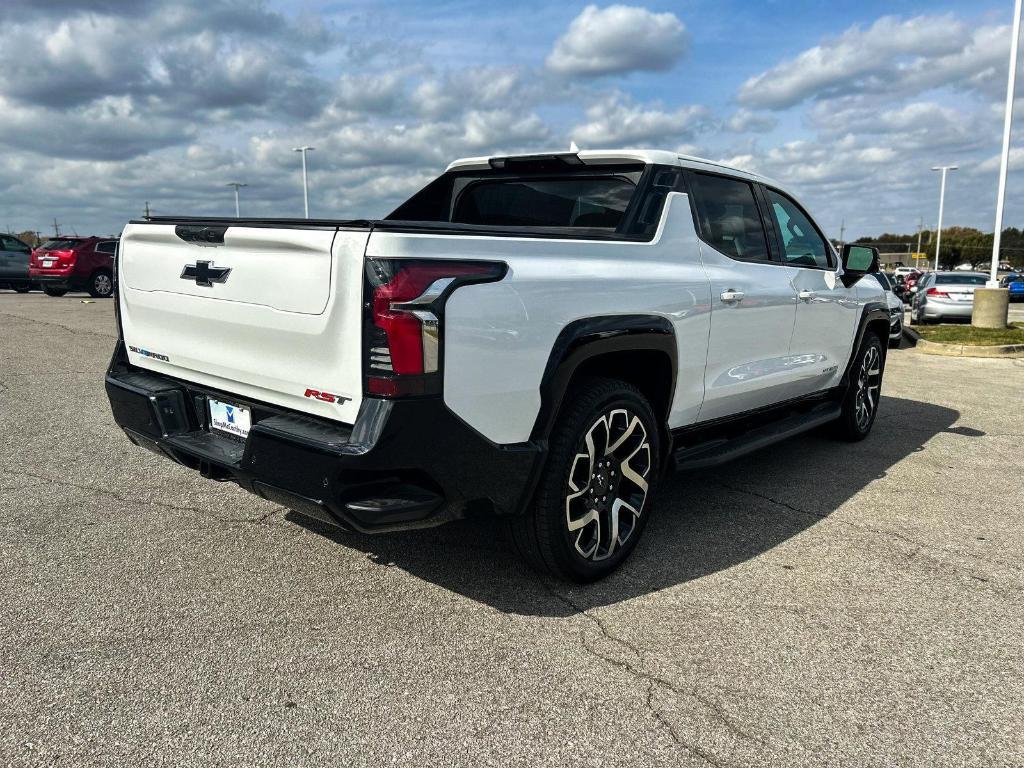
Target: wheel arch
<point>874,318</point>
<point>638,349</point>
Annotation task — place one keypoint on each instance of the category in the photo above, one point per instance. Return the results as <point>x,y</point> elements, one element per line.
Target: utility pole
<point>305,181</point>
<point>942,202</point>
<point>236,185</point>
<point>842,231</point>
<point>56,227</point>
<point>147,209</point>
<point>920,227</point>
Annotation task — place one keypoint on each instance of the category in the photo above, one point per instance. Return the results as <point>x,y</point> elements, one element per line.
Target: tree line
<point>959,245</point>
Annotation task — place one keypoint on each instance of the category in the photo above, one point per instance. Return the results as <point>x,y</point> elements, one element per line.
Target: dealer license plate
<point>232,419</point>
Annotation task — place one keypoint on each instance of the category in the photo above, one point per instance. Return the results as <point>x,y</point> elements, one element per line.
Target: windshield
<point>960,279</point>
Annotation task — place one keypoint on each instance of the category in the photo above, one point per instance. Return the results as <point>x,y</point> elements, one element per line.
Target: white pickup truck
<point>537,337</point>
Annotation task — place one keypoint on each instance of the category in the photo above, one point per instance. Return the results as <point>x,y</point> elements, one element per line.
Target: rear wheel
<point>860,404</point>
<point>23,288</point>
<point>594,497</point>
<point>49,291</point>
<point>101,286</point>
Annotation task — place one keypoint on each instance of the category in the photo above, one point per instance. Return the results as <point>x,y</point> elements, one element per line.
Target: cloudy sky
<point>107,104</point>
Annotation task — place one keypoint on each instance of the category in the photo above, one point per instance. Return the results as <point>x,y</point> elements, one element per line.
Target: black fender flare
<point>873,312</point>
<point>591,337</point>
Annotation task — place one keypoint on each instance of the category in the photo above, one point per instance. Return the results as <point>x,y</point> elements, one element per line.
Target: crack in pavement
<point>69,329</point>
<point>93,491</point>
<point>656,682</point>
<point>868,529</point>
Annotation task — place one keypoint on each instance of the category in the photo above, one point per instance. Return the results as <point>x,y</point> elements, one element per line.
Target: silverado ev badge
<point>204,273</point>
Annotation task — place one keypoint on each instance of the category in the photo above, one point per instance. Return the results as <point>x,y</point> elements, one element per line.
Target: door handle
<point>806,295</point>
<point>731,296</point>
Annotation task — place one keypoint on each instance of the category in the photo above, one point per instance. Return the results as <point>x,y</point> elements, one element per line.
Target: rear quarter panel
<point>499,336</point>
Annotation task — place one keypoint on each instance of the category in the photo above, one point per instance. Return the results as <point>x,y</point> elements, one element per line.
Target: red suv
<point>75,264</point>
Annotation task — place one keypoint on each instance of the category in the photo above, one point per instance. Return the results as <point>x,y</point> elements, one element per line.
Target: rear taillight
<point>404,316</point>
<point>938,293</point>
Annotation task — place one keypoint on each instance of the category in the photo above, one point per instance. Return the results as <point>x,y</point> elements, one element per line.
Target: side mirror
<point>858,260</point>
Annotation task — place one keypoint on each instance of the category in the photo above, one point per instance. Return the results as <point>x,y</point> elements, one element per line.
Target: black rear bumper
<point>403,464</point>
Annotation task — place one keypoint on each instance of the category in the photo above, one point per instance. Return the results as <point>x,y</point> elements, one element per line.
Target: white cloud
<point>616,120</point>
<point>618,39</point>
<point>747,121</point>
<point>891,56</point>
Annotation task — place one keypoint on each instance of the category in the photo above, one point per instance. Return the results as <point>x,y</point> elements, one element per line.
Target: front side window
<point>802,246</point>
<point>730,221</point>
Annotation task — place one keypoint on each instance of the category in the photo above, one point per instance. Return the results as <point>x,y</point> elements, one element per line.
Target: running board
<point>715,452</point>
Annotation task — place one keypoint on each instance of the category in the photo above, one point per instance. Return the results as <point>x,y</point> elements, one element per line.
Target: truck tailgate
<point>285,319</point>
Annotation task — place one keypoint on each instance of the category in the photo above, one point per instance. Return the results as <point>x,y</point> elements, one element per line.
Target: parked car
<point>1015,283</point>
<point>902,270</point>
<point>534,337</point>
<point>943,296</point>
<point>75,264</point>
<point>14,257</point>
<point>895,306</point>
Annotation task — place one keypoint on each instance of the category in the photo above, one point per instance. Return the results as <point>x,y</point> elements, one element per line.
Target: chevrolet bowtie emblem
<point>204,273</point>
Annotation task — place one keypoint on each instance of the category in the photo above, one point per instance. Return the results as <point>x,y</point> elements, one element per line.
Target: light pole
<point>236,185</point>
<point>305,182</point>
<point>942,202</point>
<point>1007,128</point>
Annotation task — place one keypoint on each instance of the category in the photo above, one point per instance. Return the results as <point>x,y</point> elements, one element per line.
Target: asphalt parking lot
<point>815,604</point>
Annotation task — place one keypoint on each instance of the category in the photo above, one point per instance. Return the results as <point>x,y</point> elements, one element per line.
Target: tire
<point>861,401</point>
<point>576,529</point>
<point>55,292</point>
<point>101,285</point>
<point>22,288</point>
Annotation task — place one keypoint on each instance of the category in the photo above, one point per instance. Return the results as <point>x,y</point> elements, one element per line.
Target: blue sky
<point>109,104</point>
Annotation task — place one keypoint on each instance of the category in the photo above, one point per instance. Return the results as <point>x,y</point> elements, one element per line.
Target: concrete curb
<point>925,347</point>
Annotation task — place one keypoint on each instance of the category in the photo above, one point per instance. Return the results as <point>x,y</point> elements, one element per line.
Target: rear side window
<point>729,217</point>
<point>107,247</point>
<point>802,246</point>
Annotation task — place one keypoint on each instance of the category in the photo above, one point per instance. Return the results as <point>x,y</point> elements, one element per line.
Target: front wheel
<point>22,288</point>
<point>594,497</point>
<point>860,404</point>
<point>55,292</point>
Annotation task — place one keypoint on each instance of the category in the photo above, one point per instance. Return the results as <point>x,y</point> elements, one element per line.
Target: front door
<point>752,301</point>
<point>826,311</point>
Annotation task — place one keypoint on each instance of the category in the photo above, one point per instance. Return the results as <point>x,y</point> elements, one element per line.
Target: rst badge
<point>326,397</point>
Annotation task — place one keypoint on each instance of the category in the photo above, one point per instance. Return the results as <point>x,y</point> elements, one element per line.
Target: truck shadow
<point>703,522</point>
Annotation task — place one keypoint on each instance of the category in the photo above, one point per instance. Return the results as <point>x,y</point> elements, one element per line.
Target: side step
<point>715,452</point>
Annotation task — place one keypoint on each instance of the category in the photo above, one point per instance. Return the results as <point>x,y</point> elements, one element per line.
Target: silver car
<point>943,296</point>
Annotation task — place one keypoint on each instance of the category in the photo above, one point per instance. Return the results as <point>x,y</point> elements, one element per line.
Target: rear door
<point>262,312</point>
<point>752,300</point>
<point>827,312</point>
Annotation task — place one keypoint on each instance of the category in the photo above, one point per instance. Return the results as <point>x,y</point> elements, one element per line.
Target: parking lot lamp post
<point>1007,128</point>
<point>942,202</point>
<point>236,185</point>
<point>305,183</point>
